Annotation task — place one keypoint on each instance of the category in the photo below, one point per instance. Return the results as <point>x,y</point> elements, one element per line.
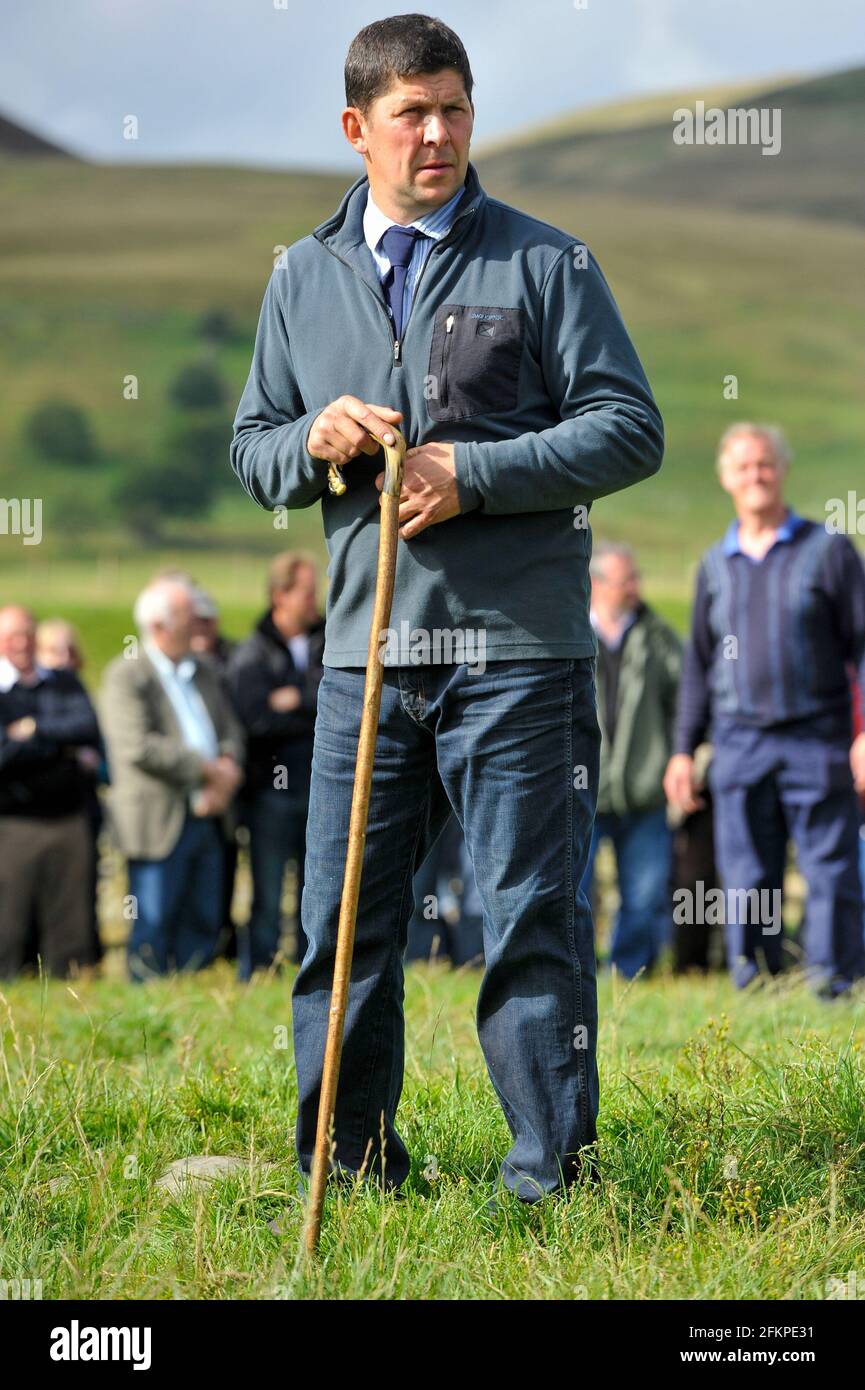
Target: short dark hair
<point>405,45</point>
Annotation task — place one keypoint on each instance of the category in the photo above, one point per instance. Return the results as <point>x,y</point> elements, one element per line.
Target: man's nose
<point>435,131</point>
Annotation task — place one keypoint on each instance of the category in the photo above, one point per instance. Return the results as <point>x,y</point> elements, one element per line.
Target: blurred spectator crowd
<point>717,757</point>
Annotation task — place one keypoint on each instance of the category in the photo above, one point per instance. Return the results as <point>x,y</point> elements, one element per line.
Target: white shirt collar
<point>182,670</point>
<point>10,675</point>
<point>436,223</point>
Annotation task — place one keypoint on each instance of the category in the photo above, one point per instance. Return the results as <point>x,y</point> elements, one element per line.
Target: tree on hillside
<point>60,431</point>
<point>198,386</point>
<point>182,481</point>
<point>217,326</point>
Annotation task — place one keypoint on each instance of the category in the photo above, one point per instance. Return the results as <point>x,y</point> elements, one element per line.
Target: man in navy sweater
<point>778,617</point>
<point>495,341</point>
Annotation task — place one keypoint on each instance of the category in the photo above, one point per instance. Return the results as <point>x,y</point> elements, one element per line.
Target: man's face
<point>415,141</point>
<point>55,652</point>
<point>617,589</point>
<point>299,604</point>
<point>18,639</point>
<point>751,474</point>
<point>204,635</point>
<point>175,637</point>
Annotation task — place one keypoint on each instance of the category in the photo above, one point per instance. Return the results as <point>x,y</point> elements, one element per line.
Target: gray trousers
<point>45,876</point>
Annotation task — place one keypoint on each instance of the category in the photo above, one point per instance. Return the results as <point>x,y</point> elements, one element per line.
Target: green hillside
<point>105,272</point>
<point>629,149</point>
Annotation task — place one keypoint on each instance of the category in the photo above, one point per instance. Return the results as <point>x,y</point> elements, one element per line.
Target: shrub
<point>60,431</point>
<point>198,386</point>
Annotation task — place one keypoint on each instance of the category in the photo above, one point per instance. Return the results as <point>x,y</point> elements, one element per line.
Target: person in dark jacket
<point>208,641</point>
<point>46,845</point>
<point>273,678</point>
<point>639,659</point>
<point>58,648</point>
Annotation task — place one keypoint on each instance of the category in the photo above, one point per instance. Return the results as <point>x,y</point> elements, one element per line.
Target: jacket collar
<point>787,531</point>
<point>183,670</point>
<point>636,615</point>
<point>267,627</point>
<point>343,235</point>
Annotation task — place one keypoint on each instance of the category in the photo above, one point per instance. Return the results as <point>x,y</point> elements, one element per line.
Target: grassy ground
<point>732,1143</point>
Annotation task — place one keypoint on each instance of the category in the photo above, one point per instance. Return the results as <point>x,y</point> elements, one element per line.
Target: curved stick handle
<point>393,466</point>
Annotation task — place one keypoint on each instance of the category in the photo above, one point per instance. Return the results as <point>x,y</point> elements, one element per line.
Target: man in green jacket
<point>639,659</point>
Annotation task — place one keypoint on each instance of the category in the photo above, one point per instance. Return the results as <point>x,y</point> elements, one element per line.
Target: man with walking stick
<point>493,341</point>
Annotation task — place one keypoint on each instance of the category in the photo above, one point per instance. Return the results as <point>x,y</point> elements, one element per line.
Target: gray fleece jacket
<point>514,351</point>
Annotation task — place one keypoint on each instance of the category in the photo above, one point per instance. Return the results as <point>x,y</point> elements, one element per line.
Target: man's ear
<point>353,129</point>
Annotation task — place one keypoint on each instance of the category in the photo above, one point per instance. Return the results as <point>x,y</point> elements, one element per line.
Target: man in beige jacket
<point>175,750</point>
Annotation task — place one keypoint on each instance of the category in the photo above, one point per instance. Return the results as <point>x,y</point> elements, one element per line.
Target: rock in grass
<point>201,1169</point>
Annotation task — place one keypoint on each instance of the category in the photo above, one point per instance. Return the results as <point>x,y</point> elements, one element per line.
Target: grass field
<point>732,1148</point>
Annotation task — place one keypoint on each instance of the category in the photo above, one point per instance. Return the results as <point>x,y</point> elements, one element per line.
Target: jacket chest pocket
<point>474,364</point>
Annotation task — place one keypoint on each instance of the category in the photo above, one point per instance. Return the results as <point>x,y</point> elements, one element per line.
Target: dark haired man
<point>494,341</point>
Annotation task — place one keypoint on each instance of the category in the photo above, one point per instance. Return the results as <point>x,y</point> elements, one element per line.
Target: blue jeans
<point>276,818</point>
<point>502,748</point>
<point>643,848</point>
<point>178,903</point>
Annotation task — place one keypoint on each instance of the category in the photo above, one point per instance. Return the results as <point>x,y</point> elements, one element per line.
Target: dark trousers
<point>514,751</point>
<point>769,785</point>
<point>46,878</point>
<point>693,863</point>
<point>276,819</point>
<point>228,938</point>
<point>177,903</point>
<point>448,916</point>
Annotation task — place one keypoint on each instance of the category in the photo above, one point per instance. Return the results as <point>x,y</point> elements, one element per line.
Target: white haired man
<point>779,617</point>
<point>175,749</point>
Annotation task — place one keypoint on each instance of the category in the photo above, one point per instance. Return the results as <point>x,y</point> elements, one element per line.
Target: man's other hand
<point>20,730</point>
<point>429,488</point>
<point>680,784</point>
<point>284,699</point>
<point>222,777</point>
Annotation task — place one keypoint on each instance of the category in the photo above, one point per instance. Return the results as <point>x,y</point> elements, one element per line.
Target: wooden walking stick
<point>384,583</point>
